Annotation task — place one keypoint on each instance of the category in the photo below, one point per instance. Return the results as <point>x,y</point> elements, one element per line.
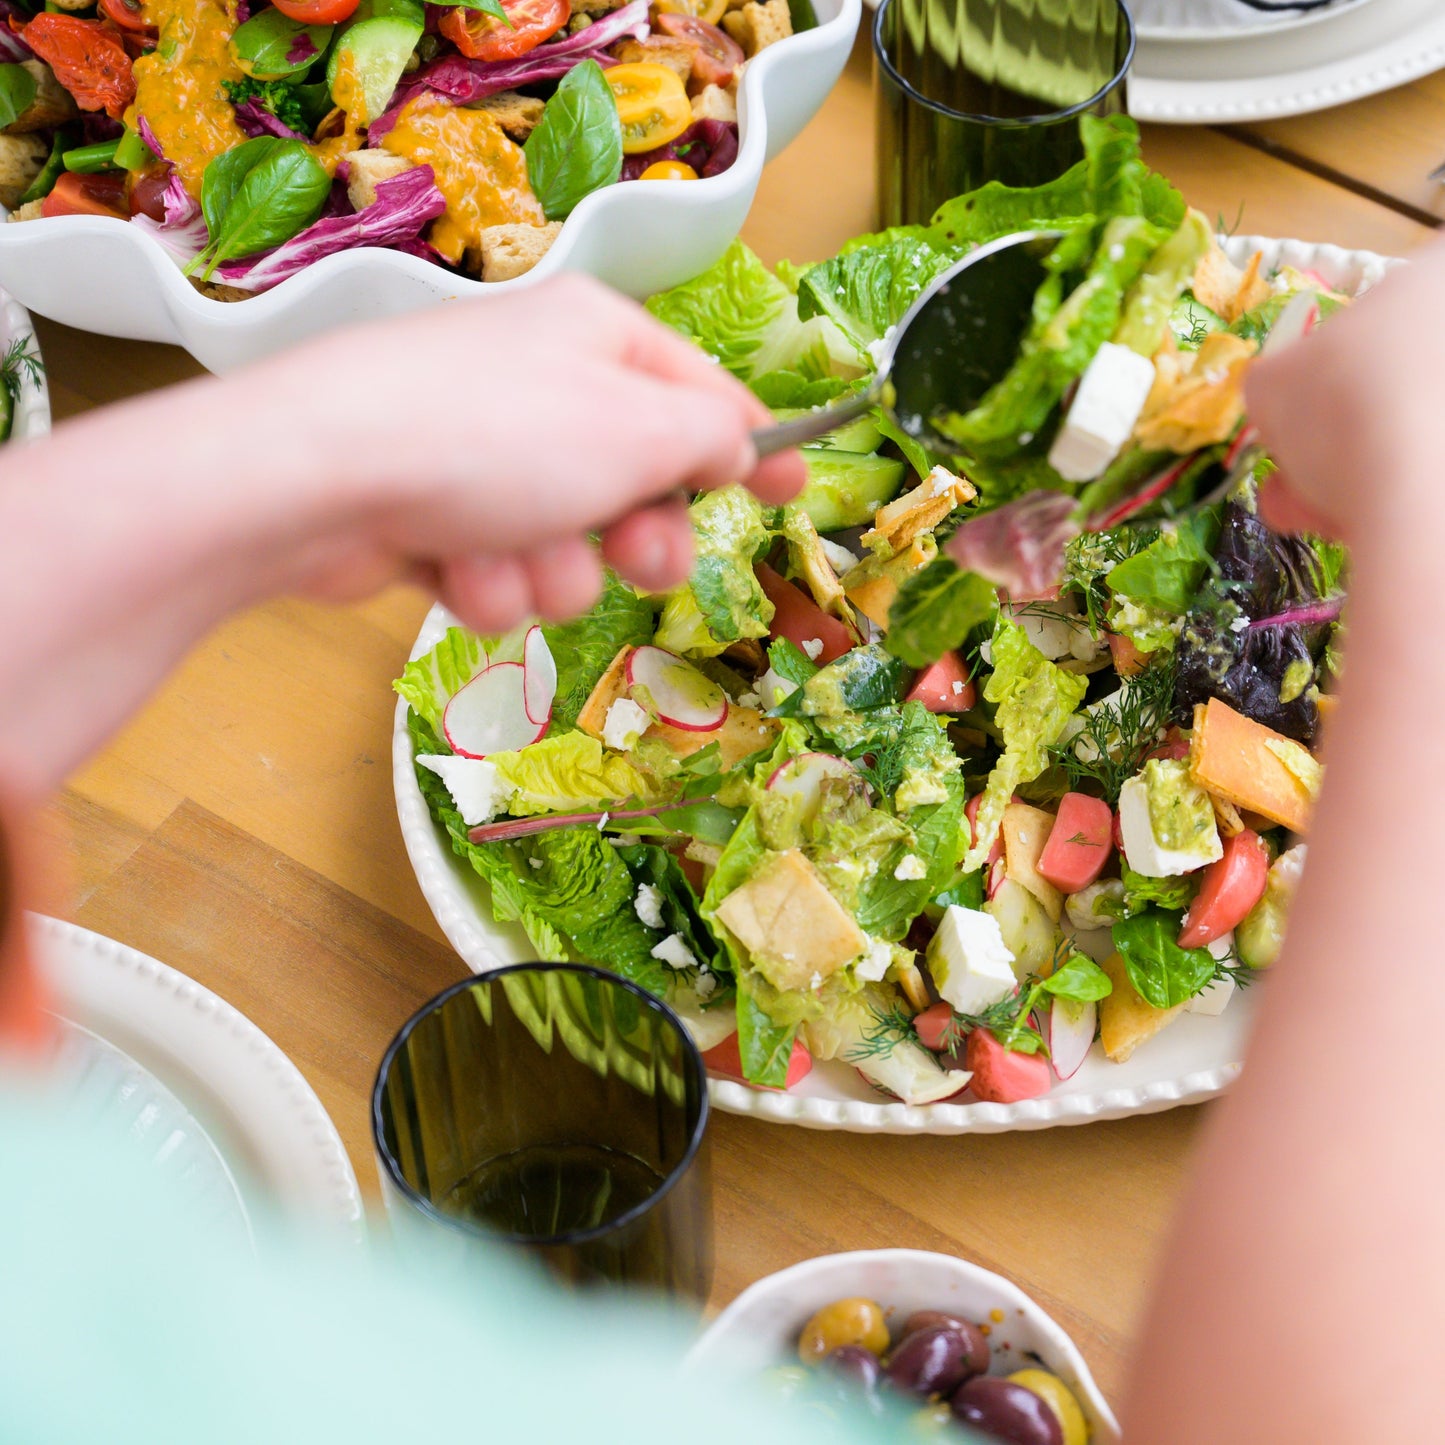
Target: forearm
<point>1306,1278</point>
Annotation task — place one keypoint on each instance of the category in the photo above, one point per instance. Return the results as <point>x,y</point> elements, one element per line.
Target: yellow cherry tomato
<point>710,10</point>
<point>844,1322</point>
<point>652,105</point>
<point>1060,1399</point>
<point>668,171</point>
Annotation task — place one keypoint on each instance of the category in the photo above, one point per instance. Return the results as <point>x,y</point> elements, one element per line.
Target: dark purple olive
<point>932,1361</point>
<point>857,1365</point>
<point>979,1356</point>
<point>1007,1412</point>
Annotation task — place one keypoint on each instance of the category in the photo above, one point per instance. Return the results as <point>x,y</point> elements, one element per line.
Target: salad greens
<point>577,146</point>
<point>845,798</point>
<point>17,93</point>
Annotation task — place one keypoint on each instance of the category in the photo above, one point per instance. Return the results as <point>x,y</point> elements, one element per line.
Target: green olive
<point>844,1322</point>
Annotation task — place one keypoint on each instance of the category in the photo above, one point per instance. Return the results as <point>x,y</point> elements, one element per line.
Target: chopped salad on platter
<point>960,760</point>
<point>253,138</point>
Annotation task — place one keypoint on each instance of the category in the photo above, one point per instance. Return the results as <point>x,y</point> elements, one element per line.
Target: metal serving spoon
<point>958,339</point>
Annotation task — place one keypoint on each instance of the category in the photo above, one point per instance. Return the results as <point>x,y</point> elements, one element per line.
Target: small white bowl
<point>643,236</point>
<point>760,1328</point>
<point>32,408</point>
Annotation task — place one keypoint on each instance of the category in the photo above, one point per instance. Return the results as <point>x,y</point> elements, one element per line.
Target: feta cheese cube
<point>971,964</point>
<point>813,648</point>
<point>624,724</point>
<point>875,963</point>
<point>772,689</point>
<point>910,868</point>
<point>1144,852</point>
<point>477,788</point>
<point>648,905</point>
<point>674,952</point>
<point>1214,999</point>
<point>1101,419</point>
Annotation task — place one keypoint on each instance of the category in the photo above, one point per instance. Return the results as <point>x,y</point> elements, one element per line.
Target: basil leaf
<point>790,662</point>
<point>577,146</point>
<point>1164,974</point>
<point>224,174</point>
<point>271,46</point>
<point>267,202</point>
<point>17,93</point>
<point>485,7</point>
<point>1079,979</point>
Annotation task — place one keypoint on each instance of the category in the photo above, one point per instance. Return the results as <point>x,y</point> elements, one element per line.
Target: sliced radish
<point>1071,1034</point>
<point>1297,318</point>
<point>539,677</point>
<point>804,776</point>
<point>489,715</point>
<point>675,691</point>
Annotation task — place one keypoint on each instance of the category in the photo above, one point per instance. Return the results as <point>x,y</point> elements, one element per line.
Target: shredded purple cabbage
<point>243,12</point>
<point>13,49</point>
<point>1308,615</point>
<point>303,47</point>
<point>1019,546</point>
<point>256,120</point>
<point>143,129</point>
<point>463,81</point>
<point>404,205</point>
<point>183,233</point>
<point>708,146</point>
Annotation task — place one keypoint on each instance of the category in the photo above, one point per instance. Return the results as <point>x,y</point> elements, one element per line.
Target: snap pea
<point>87,160</point>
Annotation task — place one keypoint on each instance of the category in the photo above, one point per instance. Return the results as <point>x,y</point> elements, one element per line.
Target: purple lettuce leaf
<point>1019,546</point>
<point>708,146</point>
<point>256,120</point>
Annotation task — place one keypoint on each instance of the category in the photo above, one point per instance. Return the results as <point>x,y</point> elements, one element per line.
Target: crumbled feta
<point>674,952</point>
<point>878,350</point>
<point>839,557</point>
<point>477,788</point>
<point>706,984</point>
<point>624,724</point>
<point>1025,437</point>
<point>536,863</point>
<point>957,687</point>
<point>813,648</point>
<point>875,962</point>
<point>1240,624</point>
<point>940,481</point>
<point>750,699</point>
<point>971,964</point>
<point>602,821</point>
<point>772,689</point>
<point>1101,418</point>
<point>816,982</point>
<point>1116,252</point>
<point>648,905</point>
<point>910,868</point>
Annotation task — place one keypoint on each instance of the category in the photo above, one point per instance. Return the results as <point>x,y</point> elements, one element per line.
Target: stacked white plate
<point>1223,61</point>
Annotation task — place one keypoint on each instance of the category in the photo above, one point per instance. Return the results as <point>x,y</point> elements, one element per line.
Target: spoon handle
<point>783,436</point>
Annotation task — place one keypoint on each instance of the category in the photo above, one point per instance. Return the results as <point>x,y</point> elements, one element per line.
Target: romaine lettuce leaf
<point>429,682</point>
<point>764,1045</point>
<point>660,869</point>
<point>1034,700</point>
<point>888,904</point>
<point>566,773</point>
<point>936,609</point>
<point>1167,574</point>
<point>583,648</point>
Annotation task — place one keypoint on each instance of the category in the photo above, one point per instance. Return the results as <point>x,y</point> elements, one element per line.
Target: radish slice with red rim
<point>1071,1034</point>
<point>489,715</point>
<point>675,692</point>
<point>1297,318</point>
<point>539,677</point>
<point>804,777</point>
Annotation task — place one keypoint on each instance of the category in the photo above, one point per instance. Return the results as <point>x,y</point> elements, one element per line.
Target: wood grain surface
<point>242,828</point>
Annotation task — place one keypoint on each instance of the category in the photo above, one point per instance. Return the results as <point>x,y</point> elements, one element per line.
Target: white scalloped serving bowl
<point>761,1326</point>
<point>1194,1059</point>
<point>102,275</point>
<point>32,408</point>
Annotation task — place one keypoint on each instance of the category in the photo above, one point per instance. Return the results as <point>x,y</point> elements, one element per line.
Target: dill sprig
<point>1089,558</point>
<point>19,365</point>
<point>891,1027</point>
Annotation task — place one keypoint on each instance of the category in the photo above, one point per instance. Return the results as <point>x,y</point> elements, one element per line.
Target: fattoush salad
<point>253,138</point>
<point>959,761</point>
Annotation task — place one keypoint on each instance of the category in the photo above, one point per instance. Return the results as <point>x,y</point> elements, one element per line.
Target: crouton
<point>30,211</point>
<point>513,249</point>
<point>874,583</point>
<point>52,106</point>
<point>517,114</point>
<point>1220,285</point>
<point>216,291</point>
<point>805,552</point>
<point>918,511</point>
<point>366,170</point>
<point>755,26</point>
<point>797,933</point>
<point>611,686</point>
<point>1125,1019</point>
<point>21,157</point>
<point>715,103</point>
<point>676,55</point>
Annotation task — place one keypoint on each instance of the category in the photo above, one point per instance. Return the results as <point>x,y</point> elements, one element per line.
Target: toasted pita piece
<point>1125,1019</point>
<point>898,522</point>
<point>610,686</point>
<point>873,585</point>
<point>805,551</point>
<point>1216,280</point>
<point>1207,402</point>
<point>1253,291</point>
<point>1245,763</point>
<point>746,731</point>
<point>1026,830</point>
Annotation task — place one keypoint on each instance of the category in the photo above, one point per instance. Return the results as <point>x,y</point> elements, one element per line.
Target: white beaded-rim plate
<point>266,1123</point>
<point>1282,70</point>
<point>99,274</point>
<point>1193,1059</point>
<point>1227,19</point>
<point>760,1327</point>
<point>32,407</point>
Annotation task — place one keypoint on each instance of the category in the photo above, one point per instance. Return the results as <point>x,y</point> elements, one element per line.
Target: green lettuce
<point>889,904</point>
<point>584,648</point>
<point>935,610</point>
<point>1172,893</point>
<point>429,682</point>
<point>1034,700</point>
<point>567,773</point>
<point>1168,573</point>
<point>1163,974</point>
<point>660,869</point>
<point>765,1045</point>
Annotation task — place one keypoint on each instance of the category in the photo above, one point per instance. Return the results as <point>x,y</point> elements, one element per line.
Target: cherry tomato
<point>88,58</point>
<point>718,56</point>
<point>317,12</point>
<point>668,171</point>
<point>709,10</point>
<point>651,103</point>
<point>1230,888</point>
<point>484,37</point>
<point>798,618</point>
<point>944,686</point>
<point>102,194</point>
<point>147,191</point>
<point>127,14</point>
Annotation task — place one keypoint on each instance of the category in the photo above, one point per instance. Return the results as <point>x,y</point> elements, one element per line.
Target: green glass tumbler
<point>557,1109</point>
<point>971,91</point>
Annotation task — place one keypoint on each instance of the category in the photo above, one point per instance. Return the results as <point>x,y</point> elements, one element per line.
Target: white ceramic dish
<point>243,1095</point>
<point>1287,70</point>
<point>32,409</point>
<point>102,275</point>
<point>760,1328</point>
<point>1225,19</point>
<point>1194,1059</point>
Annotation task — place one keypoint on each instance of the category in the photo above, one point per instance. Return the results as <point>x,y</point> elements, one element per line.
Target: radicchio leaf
<point>708,146</point>
<point>1019,546</point>
<point>255,119</point>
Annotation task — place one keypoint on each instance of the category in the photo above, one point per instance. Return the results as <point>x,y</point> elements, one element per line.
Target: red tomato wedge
<point>88,58</point>
<point>725,1059</point>
<point>97,195</point>
<point>798,618</point>
<point>316,12</point>
<point>1079,843</point>
<point>945,686</point>
<point>1001,1076</point>
<point>1230,888</point>
<point>932,1026</point>
<point>484,37</point>
<point>718,56</point>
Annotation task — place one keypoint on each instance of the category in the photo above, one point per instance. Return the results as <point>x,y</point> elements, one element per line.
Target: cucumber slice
<point>374,51</point>
<point>845,489</point>
<point>1191,321</point>
<point>862,435</point>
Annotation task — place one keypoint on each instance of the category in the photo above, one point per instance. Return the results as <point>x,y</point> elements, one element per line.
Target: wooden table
<point>242,828</point>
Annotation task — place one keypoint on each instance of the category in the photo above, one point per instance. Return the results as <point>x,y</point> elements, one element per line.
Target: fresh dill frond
<point>19,365</point>
<point>1198,332</point>
<point>1090,557</point>
<point>1224,230</point>
<point>890,1028</point>
<point>1117,735</point>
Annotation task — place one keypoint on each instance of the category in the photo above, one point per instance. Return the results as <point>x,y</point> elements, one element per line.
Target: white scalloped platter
<point>1227,19</point>
<point>245,1134</point>
<point>1194,1059</point>
<point>99,274</point>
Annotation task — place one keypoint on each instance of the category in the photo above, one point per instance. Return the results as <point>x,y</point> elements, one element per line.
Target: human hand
<point>1354,413</point>
<point>499,436</point>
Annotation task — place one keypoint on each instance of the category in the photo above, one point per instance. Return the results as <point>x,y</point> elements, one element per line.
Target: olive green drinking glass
<point>971,91</point>
<point>556,1109</point>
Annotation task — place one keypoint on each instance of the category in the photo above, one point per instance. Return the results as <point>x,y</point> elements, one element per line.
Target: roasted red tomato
<point>102,194</point>
<point>88,58</point>
<point>718,56</point>
<point>484,37</point>
<point>127,14</point>
<point>147,191</point>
